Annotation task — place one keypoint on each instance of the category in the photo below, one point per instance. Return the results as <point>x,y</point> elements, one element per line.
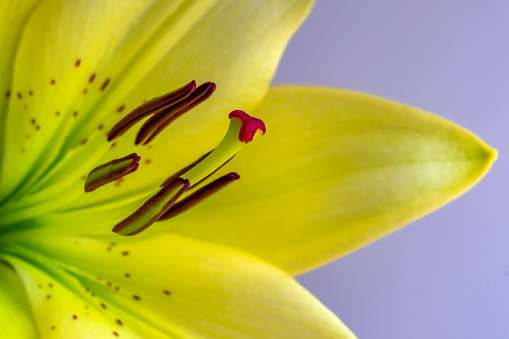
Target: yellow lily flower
<point>335,171</point>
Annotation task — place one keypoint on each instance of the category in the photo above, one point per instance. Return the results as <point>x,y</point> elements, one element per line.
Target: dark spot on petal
<point>120,109</point>
<point>23,150</point>
<point>99,278</point>
<point>50,285</point>
<point>75,113</point>
<point>120,322</point>
<point>115,334</point>
<point>27,136</point>
<point>92,77</point>
<point>105,84</point>
<point>8,94</point>
<point>117,288</point>
<point>113,144</point>
<point>103,306</point>
<point>30,93</point>
<point>86,307</point>
<point>37,127</point>
<point>135,297</point>
<point>53,81</point>
<point>85,91</point>
<point>48,296</point>
<point>75,316</point>
<point>100,127</point>
<point>166,292</point>
<point>77,63</point>
<point>57,113</point>
<point>148,161</point>
<point>84,141</point>
<point>127,275</point>
<point>40,285</point>
<point>125,253</point>
<point>32,121</point>
<point>83,178</point>
<point>109,284</point>
<point>25,106</point>
<point>19,95</point>
<point>53,327</point>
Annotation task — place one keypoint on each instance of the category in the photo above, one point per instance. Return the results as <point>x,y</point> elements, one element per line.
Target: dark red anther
<point>112,171</point>
<point>198,196</point>
<point>160,120</point>
<point>155,106</point>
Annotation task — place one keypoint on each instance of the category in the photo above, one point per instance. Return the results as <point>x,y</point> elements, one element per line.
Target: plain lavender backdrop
<point>447,275</point>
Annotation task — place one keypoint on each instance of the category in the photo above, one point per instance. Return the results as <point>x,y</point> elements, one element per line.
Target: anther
<point>153,208</point>
<point>159,121</point>
<point>111,171</point>
<point>152,107</point>
<point>198,196</point>
<point>164,111</point>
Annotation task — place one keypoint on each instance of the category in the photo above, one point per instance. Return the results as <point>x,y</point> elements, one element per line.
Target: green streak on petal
<point>16,316</point>
<point>191,289</point>
<point>337,171</point>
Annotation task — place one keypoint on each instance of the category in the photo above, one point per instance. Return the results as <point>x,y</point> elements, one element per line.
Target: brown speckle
<point>75,316</point>
<point>53,327</point>
<point>117,288</point>
<point>40,285</point>
<point>32,121</point>
<point>105,84</point>
<point>113,144</point>
<point>77,63</point>
<point>23,151</point>
<point>75,113</point>
<point>115,334</point>
<point>100,127</point>
<point>27,136</point>
<point>84,141</point>
<point>85,91</point>
<point>120,322</point>
<point>166,292</point>
<point>120,109</point>
<point>8,94</point>
<point>37,127</point>
<point>19,95</point>
<point>50,285</point>
<point>125,253</point>
<point>25,106</point>
<point>127,275</point>
<point>92,77</point>
<point>48,296</point>
<point>148,161</point>
<point>30,93</point>
<point>109,284</point>
<point>135,297</point>
<point>53,81</point>
<point>103,306</point>
<point>57,113</point>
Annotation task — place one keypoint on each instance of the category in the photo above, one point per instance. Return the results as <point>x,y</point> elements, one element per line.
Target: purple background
<point>447,275</point>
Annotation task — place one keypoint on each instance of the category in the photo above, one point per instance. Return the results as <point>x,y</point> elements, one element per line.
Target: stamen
<point>243,129</point>
<point>153,208</point>
<point>159,121</point>
<point>111,171</point>
<point>164,110</point>
<point>198,196</point>
<point>154,106</point>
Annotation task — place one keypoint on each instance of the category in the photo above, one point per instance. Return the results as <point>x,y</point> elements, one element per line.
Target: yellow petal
<point>15,312</point>
<point>170,286</point>
<point>335,171</point>
<point>61,306</point>
<point>146,49</point>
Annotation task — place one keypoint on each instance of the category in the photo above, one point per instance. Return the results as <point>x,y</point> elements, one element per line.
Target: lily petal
<point>186,288</point>
<point>149,40</point>
<point>60,305</point>
<point>17,320</point>
<point>336,171</point>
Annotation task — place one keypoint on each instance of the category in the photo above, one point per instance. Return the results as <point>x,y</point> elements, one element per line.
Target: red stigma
<point>249,127</point>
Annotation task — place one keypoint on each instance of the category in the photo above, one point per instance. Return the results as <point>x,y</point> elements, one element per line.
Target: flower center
<point>165,204</point>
